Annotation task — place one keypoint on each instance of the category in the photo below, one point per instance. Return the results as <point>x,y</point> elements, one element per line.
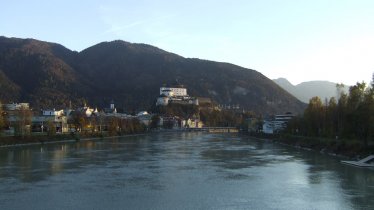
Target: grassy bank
<point>349,148</point>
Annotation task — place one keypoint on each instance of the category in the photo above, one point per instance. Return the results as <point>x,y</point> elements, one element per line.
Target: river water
<point>179,171</point>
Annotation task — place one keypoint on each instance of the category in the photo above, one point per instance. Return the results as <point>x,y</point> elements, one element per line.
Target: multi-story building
<point>276,123</point>
<point>173,91</point>
<point>176,95</point>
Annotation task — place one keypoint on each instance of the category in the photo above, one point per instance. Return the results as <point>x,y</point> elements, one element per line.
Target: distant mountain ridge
<point>306,90</point>
<point>49,75</point>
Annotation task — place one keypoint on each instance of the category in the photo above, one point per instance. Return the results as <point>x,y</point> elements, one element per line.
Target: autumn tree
<point>79,120</point>
<point>23,121</point>
<point>2,121</point>
<point>113,126</point>
<point>51,128</point>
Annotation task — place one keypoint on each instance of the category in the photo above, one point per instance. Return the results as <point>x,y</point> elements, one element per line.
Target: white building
<point>53,112</point>
<point>171,91</point>
<point>176,95</point>
<point>16,106</point>
<point>276,124</point>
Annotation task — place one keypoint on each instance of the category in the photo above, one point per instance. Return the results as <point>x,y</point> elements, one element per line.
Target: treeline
<point>225,118</point>
<point>181,110</point>
<point>111,126</point>
<point>351,116</point>
<point>208,114</point>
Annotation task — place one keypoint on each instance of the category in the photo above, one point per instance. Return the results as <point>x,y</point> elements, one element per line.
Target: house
<point>42,123</point>
<point>192,123</point>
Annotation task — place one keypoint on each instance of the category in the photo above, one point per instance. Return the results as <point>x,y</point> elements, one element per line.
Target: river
<point>179,171</point>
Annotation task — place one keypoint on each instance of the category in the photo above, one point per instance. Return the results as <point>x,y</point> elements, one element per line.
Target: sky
<point>301,40</point>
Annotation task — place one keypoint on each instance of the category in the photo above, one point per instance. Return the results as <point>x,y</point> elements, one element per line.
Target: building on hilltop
<point>175,95</point>
<point>173,91</point>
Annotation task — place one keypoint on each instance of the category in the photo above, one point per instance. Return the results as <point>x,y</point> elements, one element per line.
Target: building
<point>16,106</point>
<point>276,123</point>
<point>192,123</point>
<point>42,123</point>
<point>52,112</point>
<point>173,91</point>
<point>175,95</point>
<point>112,109</point>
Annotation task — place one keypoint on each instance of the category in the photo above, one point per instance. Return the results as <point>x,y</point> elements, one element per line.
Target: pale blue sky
<point>300,40</point>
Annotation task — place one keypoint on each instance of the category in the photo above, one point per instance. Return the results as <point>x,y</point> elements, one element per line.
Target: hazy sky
<point>300,40</point>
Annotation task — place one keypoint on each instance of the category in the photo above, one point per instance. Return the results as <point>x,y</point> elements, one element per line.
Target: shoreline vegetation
<point>10,141</point>
<point>347,148</point>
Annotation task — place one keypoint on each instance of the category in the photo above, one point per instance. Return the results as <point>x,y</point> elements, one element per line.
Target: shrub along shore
<point>352,149</point>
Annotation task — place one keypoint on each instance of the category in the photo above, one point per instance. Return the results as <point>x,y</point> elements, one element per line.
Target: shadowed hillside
<point>48,74</point>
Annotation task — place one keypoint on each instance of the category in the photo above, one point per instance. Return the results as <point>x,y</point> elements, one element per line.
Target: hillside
<point>50,75</point>
<point>306,90</point>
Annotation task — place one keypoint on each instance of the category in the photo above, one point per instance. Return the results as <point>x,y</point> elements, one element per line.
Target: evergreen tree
<point>351,117</point>
<point>314,116</point>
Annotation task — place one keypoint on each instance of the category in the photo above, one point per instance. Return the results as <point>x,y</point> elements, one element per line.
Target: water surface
<point>179,171</point>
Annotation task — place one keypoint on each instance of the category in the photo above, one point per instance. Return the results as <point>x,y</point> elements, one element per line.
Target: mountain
<point>38,72</point>
<point>306,90</point>
<point>50,75</point>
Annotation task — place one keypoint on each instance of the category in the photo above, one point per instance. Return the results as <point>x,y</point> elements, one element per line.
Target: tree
<point>331,118</point>
<point>2,121</point>
<point>341,113</point>
<point>78,119</point>
<point>351,117</point>
<point>155,121</point>
<point>23,122</point>
<point>113,126</point>
<point>51,128</point>
<point>339,90</point>
<point>313,115</point>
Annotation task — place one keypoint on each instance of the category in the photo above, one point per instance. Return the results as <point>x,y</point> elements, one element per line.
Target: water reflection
<point>167,171</point>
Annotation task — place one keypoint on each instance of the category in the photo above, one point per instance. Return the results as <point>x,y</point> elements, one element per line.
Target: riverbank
<point>13,141</point>
<point>352,149</point>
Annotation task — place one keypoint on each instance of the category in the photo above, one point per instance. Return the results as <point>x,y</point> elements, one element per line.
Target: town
<point>21,120</point>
